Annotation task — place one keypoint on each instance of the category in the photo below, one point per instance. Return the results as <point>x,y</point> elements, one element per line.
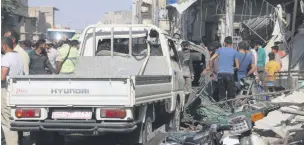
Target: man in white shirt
<point>11,64</point>
<point>24,55</point>
<point>53,55</point>
<point>255,55</point>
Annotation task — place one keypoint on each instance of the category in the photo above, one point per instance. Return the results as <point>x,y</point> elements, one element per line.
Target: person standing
<point>187,67</point>
<point>39,61</point>
<point>275,51</point>
<point>246,62</point>
<point>214,70</point>
<point>53,55</point>
<point>68,54</point>
<point>227,57</point>
<point>11,65</point>
<point>261,60</point>
<point>271,68</point>
<point>24,55</point>
<point>27,46</point>
<point>254,53</point>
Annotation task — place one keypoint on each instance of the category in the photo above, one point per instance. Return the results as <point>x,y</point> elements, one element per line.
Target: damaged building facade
<point>269,21</point>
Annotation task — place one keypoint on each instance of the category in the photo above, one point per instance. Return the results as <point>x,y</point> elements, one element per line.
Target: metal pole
<point>292,37</point>
<point>112,41</point>
<point>130,41</point>
<point>94,40</point>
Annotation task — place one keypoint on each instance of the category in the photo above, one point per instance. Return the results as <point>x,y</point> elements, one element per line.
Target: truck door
<point>177,74</point>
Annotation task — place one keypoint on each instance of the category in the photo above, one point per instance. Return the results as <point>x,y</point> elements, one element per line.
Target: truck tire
<point>49,138</point>
<point>176,118</point>
<point>147,130</point>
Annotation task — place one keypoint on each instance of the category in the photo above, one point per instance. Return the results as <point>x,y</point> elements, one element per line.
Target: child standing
<point>271,68</point>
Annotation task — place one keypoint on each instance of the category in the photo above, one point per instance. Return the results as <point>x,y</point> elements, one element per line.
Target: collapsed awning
<point>181,7</point>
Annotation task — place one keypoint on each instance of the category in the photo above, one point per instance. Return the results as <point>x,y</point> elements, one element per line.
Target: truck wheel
<point>147,130</point>
<point>49,138</point>
<point>175,121</point>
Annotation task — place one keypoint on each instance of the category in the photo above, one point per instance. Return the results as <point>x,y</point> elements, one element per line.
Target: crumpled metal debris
<point>282,124</point>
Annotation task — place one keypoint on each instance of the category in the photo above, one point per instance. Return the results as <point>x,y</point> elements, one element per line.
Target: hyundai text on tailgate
<point>127,79</point>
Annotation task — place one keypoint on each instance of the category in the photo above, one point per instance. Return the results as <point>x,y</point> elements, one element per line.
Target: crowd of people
<point>31,59</point>
<point>229,65</point>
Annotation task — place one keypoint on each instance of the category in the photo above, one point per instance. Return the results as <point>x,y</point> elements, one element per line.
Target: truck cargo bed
<point>63,91</point>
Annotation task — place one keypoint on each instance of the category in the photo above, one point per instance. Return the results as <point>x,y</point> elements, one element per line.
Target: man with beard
<point>39,61</point>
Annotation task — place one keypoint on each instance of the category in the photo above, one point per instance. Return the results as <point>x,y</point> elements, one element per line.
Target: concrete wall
<point>117,17</point>
<point>49,13</point>
<point>40,25</point>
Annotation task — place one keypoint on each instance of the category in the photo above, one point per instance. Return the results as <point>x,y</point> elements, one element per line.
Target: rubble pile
<point>285,124</point>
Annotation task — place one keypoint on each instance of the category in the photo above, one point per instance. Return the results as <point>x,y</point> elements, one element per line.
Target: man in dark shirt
<point>39,61</point>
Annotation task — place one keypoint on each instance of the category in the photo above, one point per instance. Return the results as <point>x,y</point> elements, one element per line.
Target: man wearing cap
<point>53,55</point>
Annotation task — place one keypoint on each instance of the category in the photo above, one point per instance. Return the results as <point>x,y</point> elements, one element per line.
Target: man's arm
<point>237,64</point>
<point>191,66</point>
<point>58,61</point>
<point>4,72</point>
<point>253,66</point>
<point>252,70</point>
<point>4,67</point>
<point>211,61</point>
<point>49,65</point>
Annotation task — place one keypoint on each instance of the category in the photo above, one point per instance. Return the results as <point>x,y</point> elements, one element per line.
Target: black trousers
<point>226,84</point>
<point>215,91</point>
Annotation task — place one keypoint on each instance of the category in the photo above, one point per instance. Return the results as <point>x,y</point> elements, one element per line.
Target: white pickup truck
<point>127,80</point>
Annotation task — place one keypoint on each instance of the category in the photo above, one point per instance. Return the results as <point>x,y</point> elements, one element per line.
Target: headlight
<point>239,124</point>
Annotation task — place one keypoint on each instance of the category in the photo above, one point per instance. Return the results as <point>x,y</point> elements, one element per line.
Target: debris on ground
<point>286,123</point>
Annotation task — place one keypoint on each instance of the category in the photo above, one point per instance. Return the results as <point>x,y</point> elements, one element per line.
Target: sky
<point>77,14</point>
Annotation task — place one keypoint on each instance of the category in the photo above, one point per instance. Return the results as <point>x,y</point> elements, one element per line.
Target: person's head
<point>243,45</point>
<point>40,44</point>
<point>13,35</point>
<point>275,49</point>
<point>6,45</point>
<point>49,44</point>
<point>271,56</point>
<point>66,41</point>
<point>153,33</point>
<point>256,44</point>
<point>74,43</point>
<point>228,41</point>
<point>27,43</point>
<point>214,46</point>
<point>22,45</point>
<point>185,45</point>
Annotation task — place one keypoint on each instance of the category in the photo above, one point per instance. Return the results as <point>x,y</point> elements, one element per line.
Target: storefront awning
<point>181,7</point>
